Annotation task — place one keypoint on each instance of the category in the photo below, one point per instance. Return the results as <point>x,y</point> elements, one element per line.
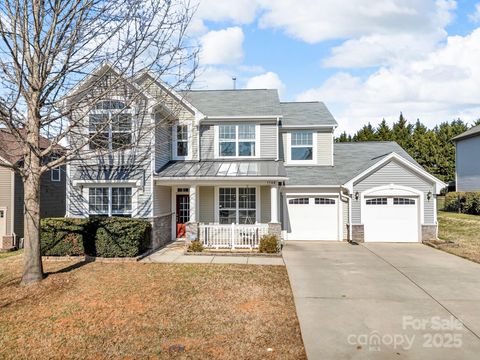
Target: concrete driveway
<point>384,301</point>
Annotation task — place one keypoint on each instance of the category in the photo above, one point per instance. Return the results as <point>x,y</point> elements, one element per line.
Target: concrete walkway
<point>384,301</point>
<point>174,253</point>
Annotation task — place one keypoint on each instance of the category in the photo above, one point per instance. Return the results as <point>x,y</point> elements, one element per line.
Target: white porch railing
<point>234,236</point>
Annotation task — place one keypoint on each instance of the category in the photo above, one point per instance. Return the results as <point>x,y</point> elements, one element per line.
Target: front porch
<point>221,216</point>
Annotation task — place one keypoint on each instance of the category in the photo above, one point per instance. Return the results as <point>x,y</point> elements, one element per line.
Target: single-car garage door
<point>312,218</point>
<point>391,219</point>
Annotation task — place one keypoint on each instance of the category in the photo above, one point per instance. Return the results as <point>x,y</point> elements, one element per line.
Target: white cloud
<point>441,86</point>
<point>222,46</point>
<point>213,78</point>
<point>475,17</point>
<point>269,80</point>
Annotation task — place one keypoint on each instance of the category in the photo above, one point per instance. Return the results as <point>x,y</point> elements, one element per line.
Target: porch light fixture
<point>357,195</point>
<point>429,195</point>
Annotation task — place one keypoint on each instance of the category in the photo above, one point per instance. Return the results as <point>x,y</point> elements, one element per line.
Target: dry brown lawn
<point>464,231</point>
<point>133,310</point>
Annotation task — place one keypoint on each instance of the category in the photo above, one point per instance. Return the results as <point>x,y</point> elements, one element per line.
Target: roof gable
<point>474,131</point>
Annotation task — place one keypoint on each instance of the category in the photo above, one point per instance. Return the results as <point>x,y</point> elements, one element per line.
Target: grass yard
<point>134,310</point>
<point>463,230</point>
<point>4,255</point>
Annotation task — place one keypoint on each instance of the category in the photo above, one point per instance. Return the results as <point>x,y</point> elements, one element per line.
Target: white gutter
<point>278,140</point>
<point>308,126</point>
<point>350,232</point>
<point>242,117</point>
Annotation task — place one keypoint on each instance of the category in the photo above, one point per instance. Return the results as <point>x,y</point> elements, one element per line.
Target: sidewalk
<point>173,253</point>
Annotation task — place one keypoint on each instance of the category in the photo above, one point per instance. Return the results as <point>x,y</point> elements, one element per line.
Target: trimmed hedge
<point>464,202</point>
<point>122,237</point>
<point>60,237</point>
<point>103,237</point>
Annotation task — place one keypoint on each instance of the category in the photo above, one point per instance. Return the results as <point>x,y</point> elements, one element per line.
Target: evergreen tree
<point>344,137</point>
<point>401,132</point>
<point>367,133</point>
<point>383,131</point>
<point>476,123</point>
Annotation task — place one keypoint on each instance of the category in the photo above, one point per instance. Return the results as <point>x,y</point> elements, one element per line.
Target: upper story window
<point>302,147</point>
<point>237,140</point>
<point>180,142</point>
<point>110,125</point>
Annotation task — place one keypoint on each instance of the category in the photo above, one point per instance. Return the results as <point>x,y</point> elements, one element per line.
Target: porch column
<point>274,204</point>
<point>193,203</point>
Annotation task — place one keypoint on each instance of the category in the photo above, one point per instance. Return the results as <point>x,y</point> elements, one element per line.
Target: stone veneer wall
<point>161,231</point>
<point>7,242</point>
<point>275,229</point>
<point>358,233</point>
<point>429,232</point>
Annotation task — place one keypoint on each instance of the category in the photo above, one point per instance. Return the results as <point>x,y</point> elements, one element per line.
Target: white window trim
<point>108,128</point>
<point>189,141</point>
<point>257,202</point>
<point>56,170</point>
<point>86,196</point>
<point>217,142</point>
<point>302,162</point>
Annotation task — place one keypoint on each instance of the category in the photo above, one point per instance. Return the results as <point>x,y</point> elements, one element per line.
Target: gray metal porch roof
<point>223,169</point>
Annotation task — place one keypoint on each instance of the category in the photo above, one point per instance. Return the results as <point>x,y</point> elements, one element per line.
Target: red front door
<point>183,214</point>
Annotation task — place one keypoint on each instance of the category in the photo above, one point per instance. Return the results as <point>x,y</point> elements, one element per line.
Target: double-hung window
<point>110,201</point>
<point>180,143</point>
<point>237,140</point>
<point>301,146</point>
<point>110,125</point>
<point>237,205</point>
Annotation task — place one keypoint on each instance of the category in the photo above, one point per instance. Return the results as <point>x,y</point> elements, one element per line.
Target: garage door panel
<point>391,219</point>
<point>312,218</point>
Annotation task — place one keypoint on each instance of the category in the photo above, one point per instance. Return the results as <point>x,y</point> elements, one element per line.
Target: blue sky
<point>366,59</point>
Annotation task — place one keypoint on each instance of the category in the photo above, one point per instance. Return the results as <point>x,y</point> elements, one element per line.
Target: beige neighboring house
<point>52,198</point>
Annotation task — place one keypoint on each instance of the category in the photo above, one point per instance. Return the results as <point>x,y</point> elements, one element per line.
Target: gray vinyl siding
<point>162,200</point>
<point>6,196</point>
<point>207,139</point>
<point>467,164</point>
<point>206,204</point>
<point>268,141</point>
<point>163,143</point>
<point>324,148</point>
<point>52,199</point>
<point>265,208</point>
<point>394,173</point>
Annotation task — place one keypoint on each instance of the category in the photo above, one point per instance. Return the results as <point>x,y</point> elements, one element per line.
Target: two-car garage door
<point>312,218</point>
<point>391,219</point>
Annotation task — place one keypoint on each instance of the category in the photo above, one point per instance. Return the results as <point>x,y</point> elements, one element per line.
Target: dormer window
<point>237,140</point>
<point>110,125</point>
<point>180,142</point>
<point>302,147</point>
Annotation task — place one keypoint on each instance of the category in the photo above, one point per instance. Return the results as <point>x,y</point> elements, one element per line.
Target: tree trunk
<point>32,269</point>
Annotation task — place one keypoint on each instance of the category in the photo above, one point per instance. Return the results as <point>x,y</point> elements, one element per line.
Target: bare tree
<point>47,47</point>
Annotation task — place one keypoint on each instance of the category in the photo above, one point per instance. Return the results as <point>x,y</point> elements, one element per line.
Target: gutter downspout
<point>347,199</point>
<point>278,140</point>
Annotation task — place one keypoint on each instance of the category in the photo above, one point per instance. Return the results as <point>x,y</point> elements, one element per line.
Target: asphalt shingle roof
<point>350,159</point>
<point>474,131</point>
<point>306,113</point>
<point>242,102</point>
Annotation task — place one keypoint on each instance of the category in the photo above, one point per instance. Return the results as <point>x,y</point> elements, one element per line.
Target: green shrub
<point>62,236</point>
<point>195,246</point>
<point>464,202</point>
<point>104,237</point>
<point>122,237</point>
<point>269,244</point>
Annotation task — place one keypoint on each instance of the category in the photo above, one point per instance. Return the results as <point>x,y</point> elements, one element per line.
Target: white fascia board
<point>311,186</point>
<point>5,161</point>
<point>438,183</point>
<point>306,126</point>
<point>273,117</point>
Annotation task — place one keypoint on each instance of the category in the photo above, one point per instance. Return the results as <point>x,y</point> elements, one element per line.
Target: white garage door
<point>312,218</point>
<point>391,219</point>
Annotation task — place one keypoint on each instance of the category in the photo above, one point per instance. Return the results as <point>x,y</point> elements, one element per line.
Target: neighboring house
<point>467,163</point>
<point>243,157</point>
<point>52,194</point>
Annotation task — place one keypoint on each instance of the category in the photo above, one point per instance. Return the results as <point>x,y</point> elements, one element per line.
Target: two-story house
<point>227,166</point>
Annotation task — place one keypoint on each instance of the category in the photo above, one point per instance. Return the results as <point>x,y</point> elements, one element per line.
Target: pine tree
<point>401,132</point>
<point>344,137</point>
<point>383,131</point>
<point>367,133</point>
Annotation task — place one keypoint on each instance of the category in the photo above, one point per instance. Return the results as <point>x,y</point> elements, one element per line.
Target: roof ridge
<point>301,102</point>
